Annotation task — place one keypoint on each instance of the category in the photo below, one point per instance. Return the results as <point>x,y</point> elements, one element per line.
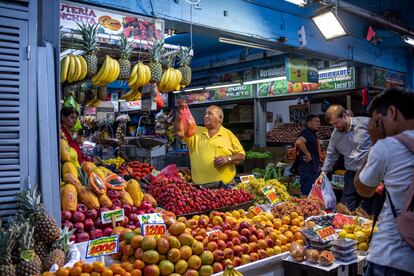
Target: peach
<point>204,217</point>
<point>245,232</point>
<point>253,247</point>
<point>225,226</point>
<point>245,247</point>
<point>262,254</point>
<point>269,242</point>
<point>262,244</point>
<point>245,259</point>
<point>201,232</point>
<point>212,246</point>
<point>253,238</point>
<point>199,238</point>
<point>222,236</point>
<point>191,223</point>
<point>270,251</point>
<point>217,267</point>
<point>228,253</point>
<point>213,214</point>
<point>260,234</point>
<point>238,250</point>
<point>205,241</point>
<point>218,255</point>
<point>243,239</point>
<point>236,241</point>
<point>254,256</point>
<point>237,261</point>
<point>221,244</point>
<point>217,220</point>
<point>229,244</point>
<point>202,223</point>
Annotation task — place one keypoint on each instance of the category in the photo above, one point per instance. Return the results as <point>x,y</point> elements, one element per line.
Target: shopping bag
<point>188,122</point>
<point>322,190</point>
<point>170,170</point>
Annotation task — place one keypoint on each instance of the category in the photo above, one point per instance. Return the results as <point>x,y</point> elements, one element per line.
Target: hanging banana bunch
<point>170,80</point>
<point>108,72</point>
<point>140,75</point>
<point>72,68</point>
<point>132,95</point>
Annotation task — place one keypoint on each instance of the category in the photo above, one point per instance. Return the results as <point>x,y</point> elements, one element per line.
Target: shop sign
<point>219,94</point>
<point>274,71</point>
<point>138,28</point>
<point>334,79</point>
<point>300,70</point>
<point>270,193</point>
<point>134,105</point>
<point>388,79</point>
<point>118,215</point>
<point>102,246</point>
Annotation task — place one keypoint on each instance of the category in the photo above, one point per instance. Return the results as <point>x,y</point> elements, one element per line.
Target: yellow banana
<point>98,77</point>
<point>115,72</point>
<point>164,80</point>
<point>64,67</point>
<point>111,72</point>
<point>147,73</point>
<point>127,95</point>
<point>138,83</point>
<point>137,96</point>
<point>106,67</point>
<point>84,67</point>
<point>78,68</point>
<point>179,77</point>
<point>133,76</point>
<point>171,80</point>
<point>71,71</point>
<point>118,70</point>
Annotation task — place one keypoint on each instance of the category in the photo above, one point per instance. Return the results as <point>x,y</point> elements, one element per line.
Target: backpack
<point>405,220</point>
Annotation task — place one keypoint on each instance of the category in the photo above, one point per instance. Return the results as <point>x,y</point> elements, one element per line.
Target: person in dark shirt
<point>309,154</point>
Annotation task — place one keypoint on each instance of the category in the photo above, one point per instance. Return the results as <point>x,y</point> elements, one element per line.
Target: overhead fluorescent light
<point>71,51</point>
<point>329,25</point>
<point>301,3</point>
<point>223,85</point>
<point>264,80</point>
<point>176,92</point>
<point>244,43</point>
<point>409,40</point>
<point>193,89</point>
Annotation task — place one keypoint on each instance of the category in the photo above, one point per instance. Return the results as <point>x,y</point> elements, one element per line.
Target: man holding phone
<point>214,150</point>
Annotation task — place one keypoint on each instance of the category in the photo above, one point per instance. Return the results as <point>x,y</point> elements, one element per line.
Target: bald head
<point>334,111</point>
<point>336,115</point>
<point>213,117</point>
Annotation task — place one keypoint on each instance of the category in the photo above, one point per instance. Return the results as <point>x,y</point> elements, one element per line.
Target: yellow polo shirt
<point>204,149</point>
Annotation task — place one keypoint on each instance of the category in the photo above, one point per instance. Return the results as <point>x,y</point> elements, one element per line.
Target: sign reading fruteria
<point>219,94</point>
<point>102,246</point>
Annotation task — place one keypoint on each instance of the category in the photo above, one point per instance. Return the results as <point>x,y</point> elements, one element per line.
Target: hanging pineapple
<point>45,226</point>
<point>184,57</point>
<point>125,48</point>
<point>29,263</point>
<point>155,65</point>
<point>7,246</point>
<point>89,36</point>
<point>59,250</point>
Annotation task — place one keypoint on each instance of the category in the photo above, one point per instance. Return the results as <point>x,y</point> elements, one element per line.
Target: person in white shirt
<point>392,163</point>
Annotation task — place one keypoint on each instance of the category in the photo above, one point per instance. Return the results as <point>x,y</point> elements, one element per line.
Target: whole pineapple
<point>7,246</point>
<point>29,263</point>
<point>42,250</point>
<point>155,65</point>
<point>59,250</point>
<point>125,48</point>
<point>89,36</point>
<point>45,226</point>
<point>184,57</point>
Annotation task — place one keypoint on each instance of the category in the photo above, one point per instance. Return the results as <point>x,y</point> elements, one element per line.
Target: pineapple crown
<point>157,50</point>
<point>63,241</point>
<point>168,60</point>
<point>89,34</point>
<point>29,202</point>
<point>184,56</point>
<point>26,231</point>
<point>7,243</point>
<point>125,47</point>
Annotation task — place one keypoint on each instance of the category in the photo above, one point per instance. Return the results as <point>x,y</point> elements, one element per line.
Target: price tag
<point>257,210</point>
<point>213,232</point>
<point>246,178</point>
<point>150,218</point>
<point>326,233</point>
<point>102,246</point>
<point>154,229</point>
<point>270,193</point>
<point>106,217</point>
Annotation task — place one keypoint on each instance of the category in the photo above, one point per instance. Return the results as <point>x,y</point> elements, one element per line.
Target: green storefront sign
<point>300,70</point>
<point>334,79</point>
<point>239,92</point>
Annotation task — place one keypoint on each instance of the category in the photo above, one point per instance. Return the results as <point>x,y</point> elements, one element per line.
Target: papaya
<point>64,151</point>
<point>69,198</point>
<point>96,183</point>
<point>70,178</point>
<point>88,167</point>
<point>115,182</point>
<point>69,167</point>
<point>88,198</point>
<point>74,157</point>
<point>134,189</point>
<point>105,201</point>
<point>126,198</point>
<point>99,172</point>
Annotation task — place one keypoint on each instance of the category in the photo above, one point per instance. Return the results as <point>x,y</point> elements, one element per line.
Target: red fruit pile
<point>180,197</point>
<point>135,169</point>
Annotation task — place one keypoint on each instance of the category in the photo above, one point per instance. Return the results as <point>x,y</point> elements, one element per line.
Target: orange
<point>298,236</point>
<point>284,228</point>
<point>127,266</point>
<point>98,266</point>
<point>85,274</point>
<point>116,268</point>
<point>294,229</point>
<point>79,263</point>
<point>87,268</point>
<point>285,219</point>
<point>295,221</point>
<point>282,238</point>
<point>293,215</point>
<point>301,218</point>
<point>277,223</point>
<point>107,272</point>
<point>289,236</point>
<point>284,248</point>
<point>273,236</point>
<point>139,264</point>
<point>76,270</point>
<point>278,242</point>
<point>95,273</point>
<point>136,272</point>
<point>62,271</point>
<point>126,273</point>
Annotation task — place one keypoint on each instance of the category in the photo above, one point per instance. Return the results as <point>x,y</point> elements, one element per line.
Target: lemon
<point>360,236</point>
<point>350,236</point>
<point>349,228</point>
<point>342,234</point>
<point>357,228</point>
<point>363,246</point>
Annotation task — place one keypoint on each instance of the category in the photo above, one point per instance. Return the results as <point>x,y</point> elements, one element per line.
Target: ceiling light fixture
<point>329,25</point>
<point>301,3</point>
<point>244,43</point>
<point>264,80</point>
<point>223,85</point>
<point>409,40</point>
<point>193,89</point>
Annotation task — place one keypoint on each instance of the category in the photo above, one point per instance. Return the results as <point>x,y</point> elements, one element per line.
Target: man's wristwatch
<point>229,159</point>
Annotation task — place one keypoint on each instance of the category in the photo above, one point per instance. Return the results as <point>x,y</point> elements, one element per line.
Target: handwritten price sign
<point>327,233</point>
<point>154,229</point>
<point>102,246</point>
<point>150,218</point>
<point>257,210</point>
<point>107,216</point>
<point>270,193</point>
<point>247,178</point>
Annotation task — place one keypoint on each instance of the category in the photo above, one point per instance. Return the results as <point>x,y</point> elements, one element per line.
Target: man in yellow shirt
<point>214,150</point>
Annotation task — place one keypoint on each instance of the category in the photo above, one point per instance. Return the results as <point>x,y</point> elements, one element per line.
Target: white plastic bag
<point>322,190</point>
